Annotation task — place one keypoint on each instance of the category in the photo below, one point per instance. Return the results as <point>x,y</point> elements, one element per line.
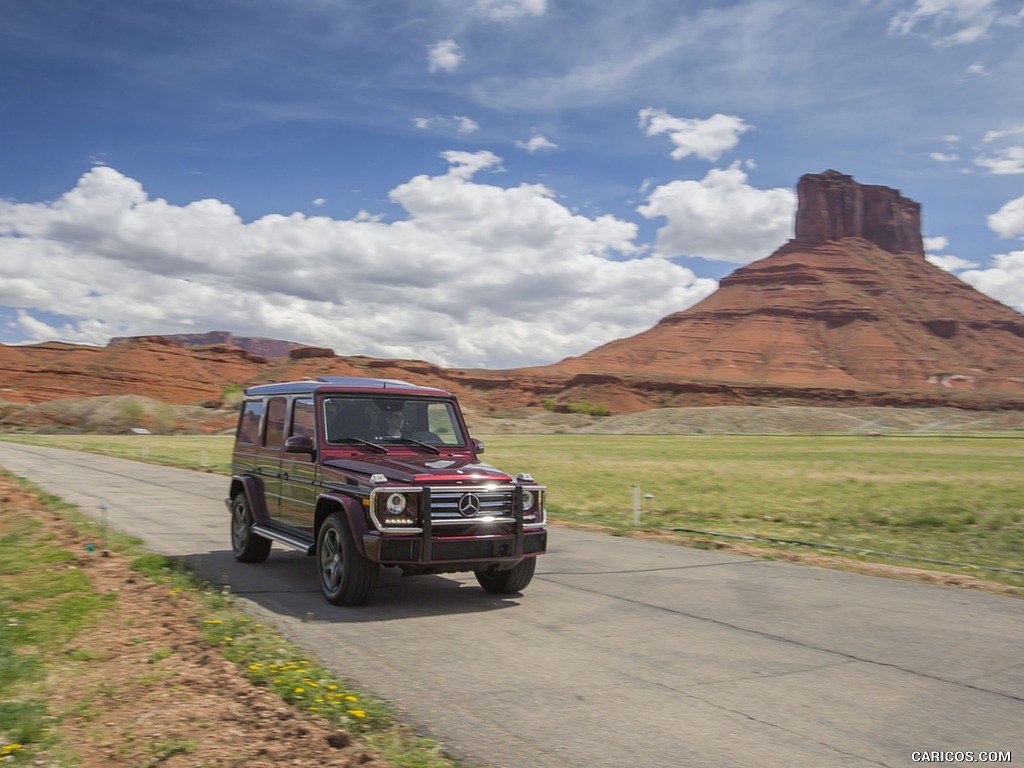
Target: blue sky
<point>478,183</point>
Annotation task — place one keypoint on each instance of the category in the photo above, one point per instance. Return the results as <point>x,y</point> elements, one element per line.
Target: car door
<point>268,462</point>
<point>299,470</point>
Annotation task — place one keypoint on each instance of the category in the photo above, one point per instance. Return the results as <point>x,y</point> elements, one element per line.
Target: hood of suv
<point>422,469</point>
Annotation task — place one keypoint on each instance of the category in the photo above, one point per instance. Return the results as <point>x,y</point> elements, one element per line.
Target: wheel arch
<point>350,508</point>
<point>252,487</point>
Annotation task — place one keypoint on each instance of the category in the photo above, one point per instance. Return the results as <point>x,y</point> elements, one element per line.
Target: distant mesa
<point>848,312</point>
<point>256,345</point>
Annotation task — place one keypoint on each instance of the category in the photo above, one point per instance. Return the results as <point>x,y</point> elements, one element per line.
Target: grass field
<point>955,499</point>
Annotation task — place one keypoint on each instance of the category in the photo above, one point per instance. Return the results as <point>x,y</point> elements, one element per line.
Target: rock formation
<point>832,206</point>
<point>849,306</point>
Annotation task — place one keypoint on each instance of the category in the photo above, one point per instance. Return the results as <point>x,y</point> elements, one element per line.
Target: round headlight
<point>396,503</point>
<point>529,499</point>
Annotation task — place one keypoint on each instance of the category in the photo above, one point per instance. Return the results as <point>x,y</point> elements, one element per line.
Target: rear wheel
<point>508,582</point>
<point>346,577</point>
<point>247,546</point>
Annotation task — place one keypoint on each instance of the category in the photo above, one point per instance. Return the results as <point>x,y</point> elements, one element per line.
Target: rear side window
<point>249,423</point>
<point>273,435</point>
<point>303,418</point>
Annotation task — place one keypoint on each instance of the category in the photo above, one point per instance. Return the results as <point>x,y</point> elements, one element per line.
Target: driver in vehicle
<point>393,422</point>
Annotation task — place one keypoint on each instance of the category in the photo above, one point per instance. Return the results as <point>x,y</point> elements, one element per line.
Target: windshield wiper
<point>375,446</point>
<point>421,444</point>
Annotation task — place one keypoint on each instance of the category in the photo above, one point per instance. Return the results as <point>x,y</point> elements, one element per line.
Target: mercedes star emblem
<point>469,505</point>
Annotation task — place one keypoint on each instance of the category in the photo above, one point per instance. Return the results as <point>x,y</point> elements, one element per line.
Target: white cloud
<point>721,217</point>
<point>1009,160</point>
<point>991,136</point>
<point>949,22</point>
<point>935,243</point>
<point>465,124</point>
<point>536,143</point>
<point>444,56</point>
<point>319,201</point>
<point>473,275</point>
<point>950,263</point>
<point>977,69</point>
<point>707,139</point>
<point>1004,281</point>
<point>942,157</point>
<point>508,10</point>
<point>1008,221</point>
<point>460,123</point>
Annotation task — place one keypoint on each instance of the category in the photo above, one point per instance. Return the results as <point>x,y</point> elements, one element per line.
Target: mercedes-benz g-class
<point>364,473</point>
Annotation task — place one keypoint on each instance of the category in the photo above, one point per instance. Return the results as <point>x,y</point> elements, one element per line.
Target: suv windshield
<point>391,420</point>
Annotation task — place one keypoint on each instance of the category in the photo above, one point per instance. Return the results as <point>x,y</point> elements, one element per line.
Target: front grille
<point>493,502</point>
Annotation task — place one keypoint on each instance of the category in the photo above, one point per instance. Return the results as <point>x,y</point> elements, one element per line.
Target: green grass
<point>953,499</point>
<point>43,606</point>
<point>950,498</point>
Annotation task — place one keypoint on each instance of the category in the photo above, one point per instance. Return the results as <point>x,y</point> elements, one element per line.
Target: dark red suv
<point>369,472</point>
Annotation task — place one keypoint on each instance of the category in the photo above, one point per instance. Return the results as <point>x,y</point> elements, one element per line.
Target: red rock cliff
<point>833,206</point>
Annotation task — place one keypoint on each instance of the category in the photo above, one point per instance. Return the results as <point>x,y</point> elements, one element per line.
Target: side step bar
<point>290,540</point>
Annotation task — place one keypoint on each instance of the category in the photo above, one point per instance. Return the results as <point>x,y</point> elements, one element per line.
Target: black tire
<point>346,577</point>
<point>508,582</point>
<point>247,546</point>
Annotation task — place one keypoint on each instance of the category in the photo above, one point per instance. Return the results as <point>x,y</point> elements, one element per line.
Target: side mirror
<point>299,444</point>
<point>478,445</point>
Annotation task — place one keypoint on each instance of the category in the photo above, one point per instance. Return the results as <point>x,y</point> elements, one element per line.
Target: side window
<point>273,433</point>
<point>249,423</point>
<point>442,423</point>
<point>303,418</point>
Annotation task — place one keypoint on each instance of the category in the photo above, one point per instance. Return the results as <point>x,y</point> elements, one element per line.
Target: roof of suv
<point>334,383</point>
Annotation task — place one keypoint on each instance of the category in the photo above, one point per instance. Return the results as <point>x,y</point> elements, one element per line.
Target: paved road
<point>621,652</point>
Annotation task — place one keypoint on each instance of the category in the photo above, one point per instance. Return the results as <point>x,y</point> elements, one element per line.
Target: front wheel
<point>247,546</point>
<point>346,577</point>
<point>510,581</point>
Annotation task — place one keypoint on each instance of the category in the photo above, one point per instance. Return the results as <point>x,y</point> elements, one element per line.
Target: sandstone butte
<point>848,312</point>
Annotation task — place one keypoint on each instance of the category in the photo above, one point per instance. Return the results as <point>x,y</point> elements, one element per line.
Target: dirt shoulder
<point>141,687</point>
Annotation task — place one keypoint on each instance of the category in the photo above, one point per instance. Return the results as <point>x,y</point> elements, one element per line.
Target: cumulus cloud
<point>472,274</point>
<point>1003,281</point>
<point>508,10</point>
<point>707,139</point>
<point>935,243</point>
<point>943,157</point>
<point>721,217</point>
<point>1008,160</point>
<point>536,143</point>
<point>444,56</point>
<point>1008,221</point>
<point>950,263</point>
<point>950,22</point>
